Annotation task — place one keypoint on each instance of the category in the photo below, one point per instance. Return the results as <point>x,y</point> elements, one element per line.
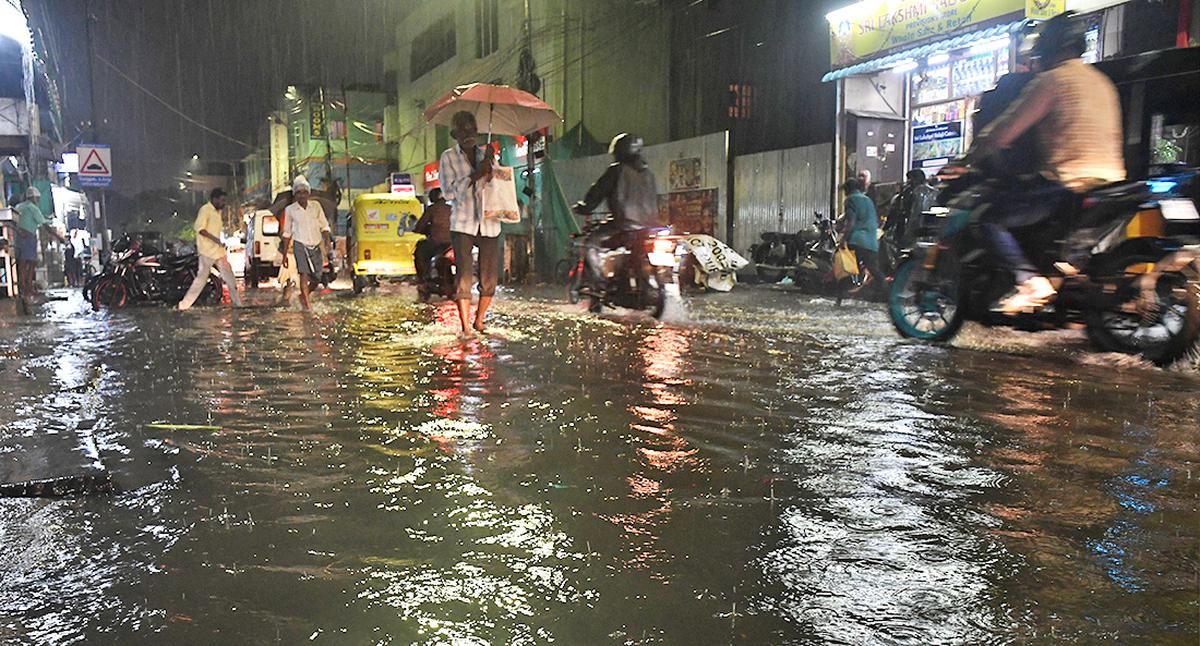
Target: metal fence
<point>779,191</point>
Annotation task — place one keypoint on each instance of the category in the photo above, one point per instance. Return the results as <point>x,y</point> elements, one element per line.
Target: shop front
<point>909,75</point>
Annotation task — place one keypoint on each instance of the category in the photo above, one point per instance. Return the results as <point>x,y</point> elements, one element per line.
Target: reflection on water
<point>770,471</point>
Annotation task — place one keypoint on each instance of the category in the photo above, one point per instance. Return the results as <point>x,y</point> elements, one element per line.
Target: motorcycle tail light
<point>450,255</point>
<point>664,246</point>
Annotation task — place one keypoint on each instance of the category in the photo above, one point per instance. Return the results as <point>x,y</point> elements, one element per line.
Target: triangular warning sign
<point>94,165</point>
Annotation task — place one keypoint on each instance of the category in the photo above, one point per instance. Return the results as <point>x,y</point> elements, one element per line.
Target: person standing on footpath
<point>211,251</point>
<point>465,169</point>
<point>305,237</point>
<point>29,219</point>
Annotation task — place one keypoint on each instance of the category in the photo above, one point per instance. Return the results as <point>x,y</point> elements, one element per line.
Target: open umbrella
<point>498,109</point>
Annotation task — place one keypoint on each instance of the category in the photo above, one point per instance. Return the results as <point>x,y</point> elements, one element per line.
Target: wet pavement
<point>762,468</point>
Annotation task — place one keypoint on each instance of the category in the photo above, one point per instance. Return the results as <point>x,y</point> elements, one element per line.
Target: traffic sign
<point>95,165</point>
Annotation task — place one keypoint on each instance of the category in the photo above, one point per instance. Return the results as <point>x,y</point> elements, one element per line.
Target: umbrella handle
<point>491,113</point>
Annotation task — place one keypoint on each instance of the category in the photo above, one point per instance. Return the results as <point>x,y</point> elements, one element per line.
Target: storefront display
<point>932,84</point>
<point>975,75</point>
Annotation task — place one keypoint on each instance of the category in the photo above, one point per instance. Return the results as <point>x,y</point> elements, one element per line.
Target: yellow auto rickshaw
<point>381,238</point>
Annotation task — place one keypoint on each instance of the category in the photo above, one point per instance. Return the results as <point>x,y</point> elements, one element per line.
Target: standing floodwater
<point>762,470</point>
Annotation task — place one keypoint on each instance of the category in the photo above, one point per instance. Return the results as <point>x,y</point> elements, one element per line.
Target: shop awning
<point>922,51</point>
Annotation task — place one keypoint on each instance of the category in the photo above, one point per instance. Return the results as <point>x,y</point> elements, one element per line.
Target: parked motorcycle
<point>775,254</point>
<point>139,272</point>
<point>608,276</point>
<point>1097,257</point>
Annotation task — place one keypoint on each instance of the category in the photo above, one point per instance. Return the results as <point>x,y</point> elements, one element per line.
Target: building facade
<point>909,74</point>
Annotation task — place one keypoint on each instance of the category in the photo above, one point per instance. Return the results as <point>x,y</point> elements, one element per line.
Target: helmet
<point>625,147</point>
<point>1058,38</point>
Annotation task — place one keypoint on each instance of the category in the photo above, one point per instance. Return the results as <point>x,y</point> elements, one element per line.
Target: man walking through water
<point>305,237</point>
<point>211,251</point>
<point>465,169</point>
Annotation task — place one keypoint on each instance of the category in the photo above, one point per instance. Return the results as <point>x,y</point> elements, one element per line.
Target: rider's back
<point>1080,136</point>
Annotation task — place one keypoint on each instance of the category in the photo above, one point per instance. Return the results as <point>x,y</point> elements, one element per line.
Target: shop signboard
<point>1044,9</point>
<point>873,27</point>
<point>940,141</point>
<point>432,176</point>
<point>402,184</point>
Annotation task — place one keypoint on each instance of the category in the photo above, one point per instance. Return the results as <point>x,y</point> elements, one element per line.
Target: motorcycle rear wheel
<point>1162,336</point>
<point>575,283</point>
<point>924,309</point>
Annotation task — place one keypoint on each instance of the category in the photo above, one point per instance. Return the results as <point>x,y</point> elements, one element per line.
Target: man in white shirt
<point>306,237</point>
<point>465,169</point>
<point>211,251</point>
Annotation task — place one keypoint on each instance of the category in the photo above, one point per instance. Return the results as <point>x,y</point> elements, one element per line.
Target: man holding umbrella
<point>465,169</point>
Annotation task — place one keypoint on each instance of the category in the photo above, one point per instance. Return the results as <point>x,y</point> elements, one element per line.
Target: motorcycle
<point>139,272</point>
<point>608,276</point>
<point>775,255</point>
<point>442,279</point>
<point>1098,258</point>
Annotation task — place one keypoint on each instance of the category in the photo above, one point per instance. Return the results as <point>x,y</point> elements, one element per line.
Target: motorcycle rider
<point>435,226</point>
<point>1075,114</point>
<point>629,188</point>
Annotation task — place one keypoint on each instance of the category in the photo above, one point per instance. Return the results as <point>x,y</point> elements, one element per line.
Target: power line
<point>168,106</point>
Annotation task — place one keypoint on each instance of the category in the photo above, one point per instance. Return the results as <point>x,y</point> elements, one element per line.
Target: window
<point>741,101</point>
<point>487,28</point>
<point>432,47</point>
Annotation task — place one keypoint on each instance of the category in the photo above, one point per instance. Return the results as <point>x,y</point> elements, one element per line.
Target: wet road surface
<point>764,468</point>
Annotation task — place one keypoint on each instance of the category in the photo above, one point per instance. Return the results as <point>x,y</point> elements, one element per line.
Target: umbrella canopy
<point>498,109</point>
<point>284,198</point>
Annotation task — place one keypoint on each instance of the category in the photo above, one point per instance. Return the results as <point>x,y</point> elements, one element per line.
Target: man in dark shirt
<point>629,189</point>
<point>435,226</point>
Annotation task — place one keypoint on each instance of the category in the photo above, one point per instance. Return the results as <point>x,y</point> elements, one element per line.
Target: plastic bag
<point>845,263</point>
<point>499,196</point>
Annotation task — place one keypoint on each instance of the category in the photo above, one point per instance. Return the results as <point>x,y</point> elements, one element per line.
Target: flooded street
<point>762,468</point>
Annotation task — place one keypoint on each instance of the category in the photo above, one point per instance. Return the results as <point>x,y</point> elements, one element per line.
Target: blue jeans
<point>1024,206</point>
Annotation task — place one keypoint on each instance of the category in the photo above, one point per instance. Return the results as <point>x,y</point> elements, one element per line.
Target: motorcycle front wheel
<point>924,305</point>
<point>110,292</point>
<point>1161,331</point>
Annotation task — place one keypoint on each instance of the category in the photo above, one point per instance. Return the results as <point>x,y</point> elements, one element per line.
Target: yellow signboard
<point>1044,9</point>
<point>867,29</point>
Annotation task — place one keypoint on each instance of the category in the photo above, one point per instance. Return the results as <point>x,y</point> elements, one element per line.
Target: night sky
<point>223,63</point>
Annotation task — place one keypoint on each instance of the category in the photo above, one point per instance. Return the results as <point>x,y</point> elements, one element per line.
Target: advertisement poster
<point>690,211</point>
<point>938,141</point>
<point>684,174</point>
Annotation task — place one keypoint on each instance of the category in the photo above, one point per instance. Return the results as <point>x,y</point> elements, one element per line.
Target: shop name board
<point>937,132</point>
<point>872,27</point>
<point>432,176</point>
<point>317,114</point>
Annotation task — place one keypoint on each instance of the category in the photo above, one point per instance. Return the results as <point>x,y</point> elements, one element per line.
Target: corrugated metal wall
<point>779,191</point>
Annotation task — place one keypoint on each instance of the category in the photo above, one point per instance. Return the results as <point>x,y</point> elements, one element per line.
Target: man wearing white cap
<point>211,251</point>
<point>29,221</point>
<point>306,236</point>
